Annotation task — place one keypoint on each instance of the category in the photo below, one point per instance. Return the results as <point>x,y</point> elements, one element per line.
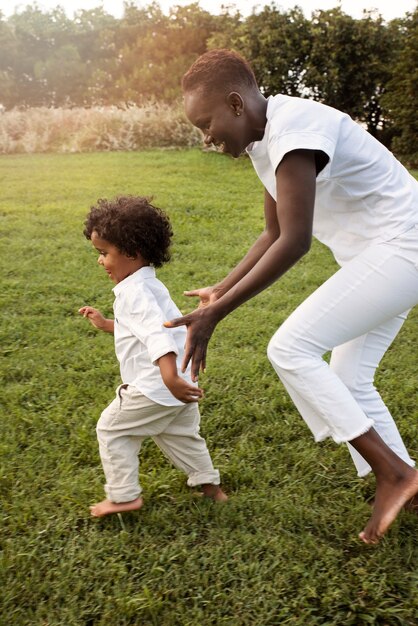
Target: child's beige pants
<point>132,417</point>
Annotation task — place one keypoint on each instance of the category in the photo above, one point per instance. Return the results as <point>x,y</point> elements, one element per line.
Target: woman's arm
<point>295,180</point>
<point>271,232</point>
<point>269,235</point>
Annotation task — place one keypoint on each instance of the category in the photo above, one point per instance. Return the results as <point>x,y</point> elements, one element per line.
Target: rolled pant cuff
<point>204,478</point>
<point>122,494</point>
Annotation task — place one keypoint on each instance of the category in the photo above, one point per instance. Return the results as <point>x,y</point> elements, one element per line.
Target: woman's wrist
<point>217,310</point>
<point>218,290</point>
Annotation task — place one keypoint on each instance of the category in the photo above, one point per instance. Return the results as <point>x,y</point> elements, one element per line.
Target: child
<point>133,237</point>
<point>323,174</point>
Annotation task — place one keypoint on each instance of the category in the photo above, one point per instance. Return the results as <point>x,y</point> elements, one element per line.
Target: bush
<point>95,129</point>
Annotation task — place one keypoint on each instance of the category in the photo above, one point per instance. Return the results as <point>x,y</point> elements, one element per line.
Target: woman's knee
<point>282,350</point>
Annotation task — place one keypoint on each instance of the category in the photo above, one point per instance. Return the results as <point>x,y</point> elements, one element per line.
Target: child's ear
<point>138,257</point>
<point>235,102</point>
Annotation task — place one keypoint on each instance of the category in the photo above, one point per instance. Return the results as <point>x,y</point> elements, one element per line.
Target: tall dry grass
<point>95,129</point>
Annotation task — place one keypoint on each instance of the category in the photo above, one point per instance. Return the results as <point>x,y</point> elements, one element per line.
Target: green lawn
<point>284,550</point>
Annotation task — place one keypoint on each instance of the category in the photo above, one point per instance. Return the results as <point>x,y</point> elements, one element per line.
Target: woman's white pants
<point>357,313</point>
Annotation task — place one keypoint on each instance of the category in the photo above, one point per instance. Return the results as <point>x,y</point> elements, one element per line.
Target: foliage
<point>402,93</point>
<point>97,128</point>
<point>355,65</point>
<point>278,45</point>
<point>349,64</point>
<point>284,550</point>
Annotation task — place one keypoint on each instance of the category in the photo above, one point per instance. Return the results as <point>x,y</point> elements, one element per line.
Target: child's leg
<point>187,450</point>
<point>120,431</point>
<point>367,292</point>
<point>355,363</point>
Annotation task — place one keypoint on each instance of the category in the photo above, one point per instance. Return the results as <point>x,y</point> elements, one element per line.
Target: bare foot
<point>412,505</point>
<point>107,507</point>
<point>214,492</point>
<point>391,497</point>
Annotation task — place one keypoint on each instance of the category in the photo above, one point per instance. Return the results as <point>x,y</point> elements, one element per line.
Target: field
<point>284,550</point>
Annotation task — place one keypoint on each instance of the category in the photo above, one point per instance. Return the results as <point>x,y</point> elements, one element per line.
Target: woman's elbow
<point>300,246</point>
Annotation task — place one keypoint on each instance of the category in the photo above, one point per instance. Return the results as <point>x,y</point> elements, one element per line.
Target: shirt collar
<point>140,275</point>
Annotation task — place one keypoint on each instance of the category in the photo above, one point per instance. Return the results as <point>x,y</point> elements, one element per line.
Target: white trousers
<point>128,420</point>
<point>356,314</point>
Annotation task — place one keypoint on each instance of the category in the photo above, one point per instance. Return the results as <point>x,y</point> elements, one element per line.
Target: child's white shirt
<point>142,304</point>
<point>363,194</point>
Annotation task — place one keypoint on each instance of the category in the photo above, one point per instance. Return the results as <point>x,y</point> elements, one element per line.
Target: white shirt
<point>363,194</point>
<point>142,303</point>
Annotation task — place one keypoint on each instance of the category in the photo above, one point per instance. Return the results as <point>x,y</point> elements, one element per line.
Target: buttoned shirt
<point>142,304</point>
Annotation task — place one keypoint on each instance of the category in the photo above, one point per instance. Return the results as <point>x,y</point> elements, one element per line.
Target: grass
<point>284,550</point>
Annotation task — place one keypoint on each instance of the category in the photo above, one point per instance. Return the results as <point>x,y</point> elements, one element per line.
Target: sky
<point>389,9</point>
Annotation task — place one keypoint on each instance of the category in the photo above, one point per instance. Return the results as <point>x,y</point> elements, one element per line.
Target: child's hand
<point>95,317</point>
<point>184,391</point>
<point>180,388</point>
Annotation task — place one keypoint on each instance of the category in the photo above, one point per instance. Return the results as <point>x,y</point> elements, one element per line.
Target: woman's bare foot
<point>107,507</point>
<point>391,497</point>
<point>412,505</point>
<point>214,492</point>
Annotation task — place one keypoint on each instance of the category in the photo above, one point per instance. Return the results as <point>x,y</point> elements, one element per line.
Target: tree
<point>154,50</point>
<point>349,64</point>
<point>36,35</point>
<point>8,47</point>
<point>276,43</point>
<point>400,100</point>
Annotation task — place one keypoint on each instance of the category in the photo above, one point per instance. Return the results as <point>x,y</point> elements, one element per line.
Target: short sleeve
<point>146,322</point>
<point>278,146</point>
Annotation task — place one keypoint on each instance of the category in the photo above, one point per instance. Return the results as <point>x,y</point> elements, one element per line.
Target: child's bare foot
<point>107,507</point>
<point>214,492</point>
<point>391,497</point>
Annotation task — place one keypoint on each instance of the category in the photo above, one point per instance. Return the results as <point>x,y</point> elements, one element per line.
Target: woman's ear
<point>235,102</point>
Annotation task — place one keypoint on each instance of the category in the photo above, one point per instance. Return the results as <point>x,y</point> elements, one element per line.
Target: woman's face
<point>221,119</point>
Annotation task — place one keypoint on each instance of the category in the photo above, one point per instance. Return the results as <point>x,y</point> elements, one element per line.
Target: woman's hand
<point>207,295</point>
<point>200,325</point>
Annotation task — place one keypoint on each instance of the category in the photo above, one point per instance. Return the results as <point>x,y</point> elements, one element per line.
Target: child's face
<point>117,265</point>
<point>220,123</point>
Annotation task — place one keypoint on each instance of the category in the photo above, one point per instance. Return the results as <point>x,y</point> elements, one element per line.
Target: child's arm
<point>97,319</point>
<point>180,388</point>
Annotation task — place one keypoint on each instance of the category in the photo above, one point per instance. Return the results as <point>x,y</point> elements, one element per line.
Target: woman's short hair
<point>218,70</point>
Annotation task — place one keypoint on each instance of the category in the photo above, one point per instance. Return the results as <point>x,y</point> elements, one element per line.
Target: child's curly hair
<point>220,69</point>
<point>133,225</point>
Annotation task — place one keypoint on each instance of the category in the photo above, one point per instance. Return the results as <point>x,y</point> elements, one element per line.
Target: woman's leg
<point>367,292</point>
<point>355,363</point>
<point>396,483</point>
